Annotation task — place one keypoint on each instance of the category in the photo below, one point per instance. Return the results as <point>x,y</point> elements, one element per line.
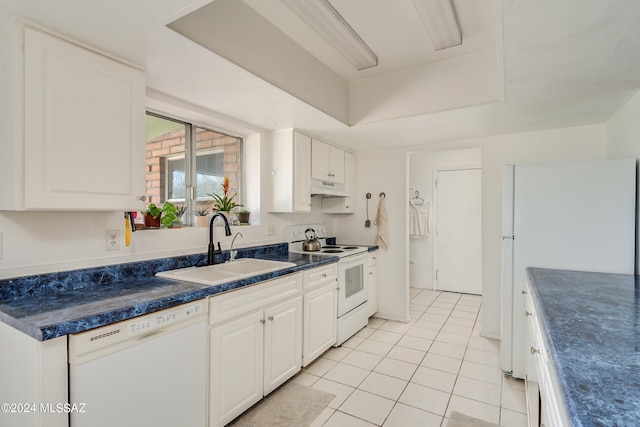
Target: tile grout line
<point>437,299</point>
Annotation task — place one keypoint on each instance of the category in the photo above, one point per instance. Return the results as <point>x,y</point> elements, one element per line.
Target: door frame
<point>434,242</point>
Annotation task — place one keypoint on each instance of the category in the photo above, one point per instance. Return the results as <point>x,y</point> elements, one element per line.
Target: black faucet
<point>211,255</point>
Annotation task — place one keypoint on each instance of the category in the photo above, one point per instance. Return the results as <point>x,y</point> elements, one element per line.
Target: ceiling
<point>553,64</point>
<point>392,29</point>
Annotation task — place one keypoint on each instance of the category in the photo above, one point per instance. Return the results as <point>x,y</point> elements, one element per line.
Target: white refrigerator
<point>573,216</point>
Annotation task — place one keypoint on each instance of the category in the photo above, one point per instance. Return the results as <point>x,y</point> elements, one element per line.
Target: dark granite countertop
<point>52,305</point>
<point>591,322</point>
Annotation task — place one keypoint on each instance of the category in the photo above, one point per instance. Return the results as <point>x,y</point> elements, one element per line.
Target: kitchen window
<point>186,163</point>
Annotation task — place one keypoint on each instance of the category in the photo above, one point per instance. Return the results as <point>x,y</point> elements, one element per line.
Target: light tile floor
<point>414,374</point>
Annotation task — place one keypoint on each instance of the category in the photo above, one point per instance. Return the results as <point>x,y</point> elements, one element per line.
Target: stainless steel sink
<point>228,272</point>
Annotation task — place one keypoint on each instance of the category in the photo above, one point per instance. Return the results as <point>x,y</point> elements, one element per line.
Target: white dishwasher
<point>147,371</point>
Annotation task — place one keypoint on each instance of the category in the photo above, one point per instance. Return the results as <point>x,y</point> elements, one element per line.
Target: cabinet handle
<point>270,318</point>
<point>262,321</point>
<point>523,292</point>
<point>526,313</point>
<point>370,274</point>
<point>324,274</point>
<point>534,350</point>
<point>142,198</point>
<point>337,289</point>
<point>347,207</point>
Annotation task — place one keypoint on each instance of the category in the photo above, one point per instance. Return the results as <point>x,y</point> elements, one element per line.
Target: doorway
<point>458,238</point>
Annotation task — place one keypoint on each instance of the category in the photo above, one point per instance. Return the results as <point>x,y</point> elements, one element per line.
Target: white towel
<point>382,238</point>
<point>419,221</point>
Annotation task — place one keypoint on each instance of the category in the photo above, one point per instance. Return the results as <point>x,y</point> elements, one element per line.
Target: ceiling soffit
<point>412,79</point>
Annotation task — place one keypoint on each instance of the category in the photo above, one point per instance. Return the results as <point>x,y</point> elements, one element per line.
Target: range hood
<point>327,189</point>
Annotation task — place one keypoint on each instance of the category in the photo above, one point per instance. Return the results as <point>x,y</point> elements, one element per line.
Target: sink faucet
<point>211,255</point>
<point>232,253</point>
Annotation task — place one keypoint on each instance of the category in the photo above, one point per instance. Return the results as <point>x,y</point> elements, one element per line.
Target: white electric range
<point>353,280</point>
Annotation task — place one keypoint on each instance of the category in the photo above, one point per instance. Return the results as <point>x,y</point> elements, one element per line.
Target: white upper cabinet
<point>291,172</point>
<point>327,162</point>
<point>84,129</point>
<point>344,204</point>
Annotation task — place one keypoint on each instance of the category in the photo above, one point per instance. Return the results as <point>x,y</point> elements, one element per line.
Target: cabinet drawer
<point>319,276</point>
<point>232,304</point>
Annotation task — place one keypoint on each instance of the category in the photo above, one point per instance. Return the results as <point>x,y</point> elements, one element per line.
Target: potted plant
<point>243,215</point>
<point>167,216</point>
<point>202,217</point>
<point>152,216</point>
<point>170,217</point>
<point>225,202</point>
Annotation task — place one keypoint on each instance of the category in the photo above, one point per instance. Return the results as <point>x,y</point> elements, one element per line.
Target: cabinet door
<point>291,172</point>
<point>236,370</point>
<point>320,318</point>
<point>320,160</point>
<point>373,285</point>
<point>336,165</point>
<point>84,128</point>
<point>302,174</point>
<point>349,178</point>
<point>282,343</point>
<point>343,204</point>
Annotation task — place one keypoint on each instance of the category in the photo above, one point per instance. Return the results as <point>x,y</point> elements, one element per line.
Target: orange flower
<point>224,202</point>
<point>225,185</point>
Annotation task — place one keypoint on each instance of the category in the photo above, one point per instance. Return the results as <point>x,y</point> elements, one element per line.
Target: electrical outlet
<point>112,241</point>
<point>272,229</point>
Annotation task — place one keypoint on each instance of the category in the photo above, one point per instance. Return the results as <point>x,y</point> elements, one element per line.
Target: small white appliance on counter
<point>148,371</point>
<point>353,278</point>
<point>571,216</point>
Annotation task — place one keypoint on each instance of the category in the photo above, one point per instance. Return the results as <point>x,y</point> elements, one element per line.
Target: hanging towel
<point>419,221</point>
<point>382,238</point>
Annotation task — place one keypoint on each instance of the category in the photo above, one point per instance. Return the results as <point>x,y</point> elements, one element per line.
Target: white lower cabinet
<point>236,353</point>
<point>33,372</point>
<point>320,318</point>
<point>258,349</point>
<point>373,284</point>
<point>282,343</point>
<point>541,377</point>
<point>320,311</point>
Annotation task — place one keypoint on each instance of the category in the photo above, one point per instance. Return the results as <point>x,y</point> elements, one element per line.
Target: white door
<point>458,252</point>
<point>320,318</point>
<point>302,176</point>
<point>236,370</point>
<point>282,343</point>
<point>336,164</point>
<point>320,159</point>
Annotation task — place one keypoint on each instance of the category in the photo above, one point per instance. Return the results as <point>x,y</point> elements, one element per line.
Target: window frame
<point>190,156</point>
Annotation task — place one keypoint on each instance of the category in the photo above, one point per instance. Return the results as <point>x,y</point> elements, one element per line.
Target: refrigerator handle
<point>508,237</point>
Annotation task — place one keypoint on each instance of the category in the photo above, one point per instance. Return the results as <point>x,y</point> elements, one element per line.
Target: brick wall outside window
<point>173,143</point>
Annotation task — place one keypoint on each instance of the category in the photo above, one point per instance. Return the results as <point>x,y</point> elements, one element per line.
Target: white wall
<point>623,142</point>
<point>421,168</point>
<point>42,242</point>
<point>382,171</point>
<point>387,170</point>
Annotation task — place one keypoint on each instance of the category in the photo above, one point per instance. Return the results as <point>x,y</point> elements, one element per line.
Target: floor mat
<point>292,405</point>
<point>456,419</point>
